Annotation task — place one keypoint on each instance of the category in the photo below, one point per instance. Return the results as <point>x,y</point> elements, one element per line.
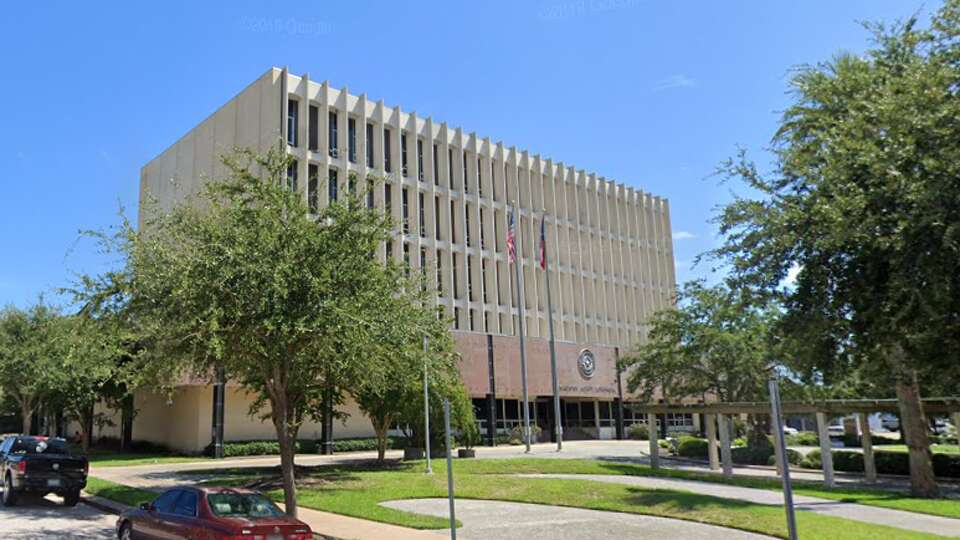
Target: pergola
<point>821,408</point>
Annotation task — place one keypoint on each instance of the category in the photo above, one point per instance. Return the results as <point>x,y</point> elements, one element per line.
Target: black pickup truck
<point>39,465</point>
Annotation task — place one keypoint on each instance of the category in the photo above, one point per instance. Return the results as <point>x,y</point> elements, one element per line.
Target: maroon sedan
<point>210,513</point>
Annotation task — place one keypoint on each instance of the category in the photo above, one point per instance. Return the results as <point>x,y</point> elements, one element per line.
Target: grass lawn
<point>358,490</point>
<point>117,459</point>
<point>130,496</point>
<point>871,497</point>
<point>935,448</point>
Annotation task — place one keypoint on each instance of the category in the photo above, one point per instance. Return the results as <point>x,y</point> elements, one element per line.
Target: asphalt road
<point>36,519</point>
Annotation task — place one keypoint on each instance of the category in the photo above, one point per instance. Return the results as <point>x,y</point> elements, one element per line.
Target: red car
<point>210,513</point>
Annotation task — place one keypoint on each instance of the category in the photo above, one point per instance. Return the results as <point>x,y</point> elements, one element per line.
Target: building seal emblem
<point>586,364</point>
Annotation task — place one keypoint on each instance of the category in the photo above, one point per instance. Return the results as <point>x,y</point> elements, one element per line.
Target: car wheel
<point>9,495</point>
<point>126,531</point>
<point>71,498</point>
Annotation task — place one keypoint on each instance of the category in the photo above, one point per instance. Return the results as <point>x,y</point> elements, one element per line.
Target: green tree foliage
<point>290,305</point>
<point>29,349</point>
<point>715,344</point>
<point>864,199</point>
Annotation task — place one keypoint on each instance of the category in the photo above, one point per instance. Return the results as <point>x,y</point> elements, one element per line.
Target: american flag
<point>543,243</point>
<point>511,241</point>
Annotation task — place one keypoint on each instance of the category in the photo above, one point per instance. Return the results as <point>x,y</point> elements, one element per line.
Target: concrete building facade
<point>450,191</point>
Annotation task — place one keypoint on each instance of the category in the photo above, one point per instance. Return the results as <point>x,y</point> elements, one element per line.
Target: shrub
<point>848,461</point>
<point>751,455</point>
<point>739,442</point>
<point>663,444</point>
<point>304,446</point>
<point>812,460</point>
<point>692,447</point>
<point>793,458</point>
<point>516,434</point>
<point>639,432</point>
<point>851,441</point>
<point>803,438</point>
<point>880,440</point>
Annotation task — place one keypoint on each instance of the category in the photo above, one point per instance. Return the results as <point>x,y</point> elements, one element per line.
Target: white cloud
<point>674,81</point>
<point>683,235</point>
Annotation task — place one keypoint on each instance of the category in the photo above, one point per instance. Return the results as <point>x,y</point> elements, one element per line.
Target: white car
<point>787,430</point>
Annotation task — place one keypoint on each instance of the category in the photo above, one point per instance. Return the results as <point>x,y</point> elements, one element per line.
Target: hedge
<point>803,438</point>
<point>639,432</point>
<point>692,447</point>
<point>305,446</point>
<point>944,465</point>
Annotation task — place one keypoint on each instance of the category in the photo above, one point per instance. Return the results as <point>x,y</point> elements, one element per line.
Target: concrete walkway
<point>868,514</point>
<point>520,521</point>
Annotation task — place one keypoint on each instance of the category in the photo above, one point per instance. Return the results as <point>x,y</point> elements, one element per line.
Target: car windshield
<point>246,505</point>
<point>36,445</point>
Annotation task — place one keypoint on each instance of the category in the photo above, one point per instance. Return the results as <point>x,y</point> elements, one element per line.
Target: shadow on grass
<point>318,477</point>
<point>680,500</point>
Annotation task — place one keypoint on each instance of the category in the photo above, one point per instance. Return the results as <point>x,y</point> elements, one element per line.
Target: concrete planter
<point>466,453</point>
<point>411,454</point>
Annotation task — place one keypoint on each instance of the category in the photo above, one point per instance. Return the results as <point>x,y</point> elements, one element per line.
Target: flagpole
<point>553,346</point>
<point>522,311</point>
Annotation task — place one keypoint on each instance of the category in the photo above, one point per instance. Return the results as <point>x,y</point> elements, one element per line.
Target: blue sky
<point>651,93</point>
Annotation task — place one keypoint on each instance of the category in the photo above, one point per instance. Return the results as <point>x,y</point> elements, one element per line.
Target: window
<point>456,317</point>
<point>466,269</point>
<point>405,210</point>
<point>423,260</point>
<point>406,258</point>
<point>439,273</point>
<point>186,504</point>
<point>314,127</point>
<point>466,182</point>
<point>466,217</point>
<point>450,167</point>
<point>456,281</point>
<point>313,198</point>
<point>479,177</point>
<point>483,243</point>
<point>242,505</point>
<point>483,274</point>
<point>387,162</point>
<point>420,159</point>
<point>436,164</point>
<point>369,145</point>
<point>453,220</point>
<point>389,249</point>
<point>403,153</point>
<point>606,419</point>
<point>472,313</point>
<point>292,122</point>
<point>292,176</point>
<point>493,179</point>
<point>387,200</point>
<point>423,217</point>
<point>332,133</point>
<point>352,140</point>
<point>165,503</point>
<point>496,270</point>
<point>369,193</point>
<point>436,217</point>
<point>332,185</point>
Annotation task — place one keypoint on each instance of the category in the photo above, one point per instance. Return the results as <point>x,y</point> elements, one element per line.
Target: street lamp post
<point>776,415</point>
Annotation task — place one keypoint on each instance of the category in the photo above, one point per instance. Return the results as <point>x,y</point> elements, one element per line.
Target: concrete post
<point>725,454</point>
<point>869,465</point>
<point>826,457</point>
<point>652,437</point>
<point>712,450</point>
<point>956,426</point>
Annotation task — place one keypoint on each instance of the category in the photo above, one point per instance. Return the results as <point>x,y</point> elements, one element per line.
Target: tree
<point>88,370</point>
<point>715,343</point>
<point>243,278</point>
<point>864,200</point>
<point>28,350</point>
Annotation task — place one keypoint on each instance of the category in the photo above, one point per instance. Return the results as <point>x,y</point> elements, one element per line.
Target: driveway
<point>36,519</point>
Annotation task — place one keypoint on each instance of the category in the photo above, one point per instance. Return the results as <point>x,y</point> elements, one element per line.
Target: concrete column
<point>652,436</point>
<point>826,456</point>
<point>869,465</point>
<point>712,453</point>
<point>725,454</point>
<point>956,425</point>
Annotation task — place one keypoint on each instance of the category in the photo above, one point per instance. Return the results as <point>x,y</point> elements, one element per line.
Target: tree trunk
<point>26,415</point>
<point>914,429</point>
<point>281,423</point>
<point>380,426</point>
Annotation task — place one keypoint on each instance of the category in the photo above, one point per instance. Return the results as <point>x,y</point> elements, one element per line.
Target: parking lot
<point>35,519</point>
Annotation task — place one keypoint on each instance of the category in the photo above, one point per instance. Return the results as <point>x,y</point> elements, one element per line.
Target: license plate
<point>274,537</point>
<point>53,482</point>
